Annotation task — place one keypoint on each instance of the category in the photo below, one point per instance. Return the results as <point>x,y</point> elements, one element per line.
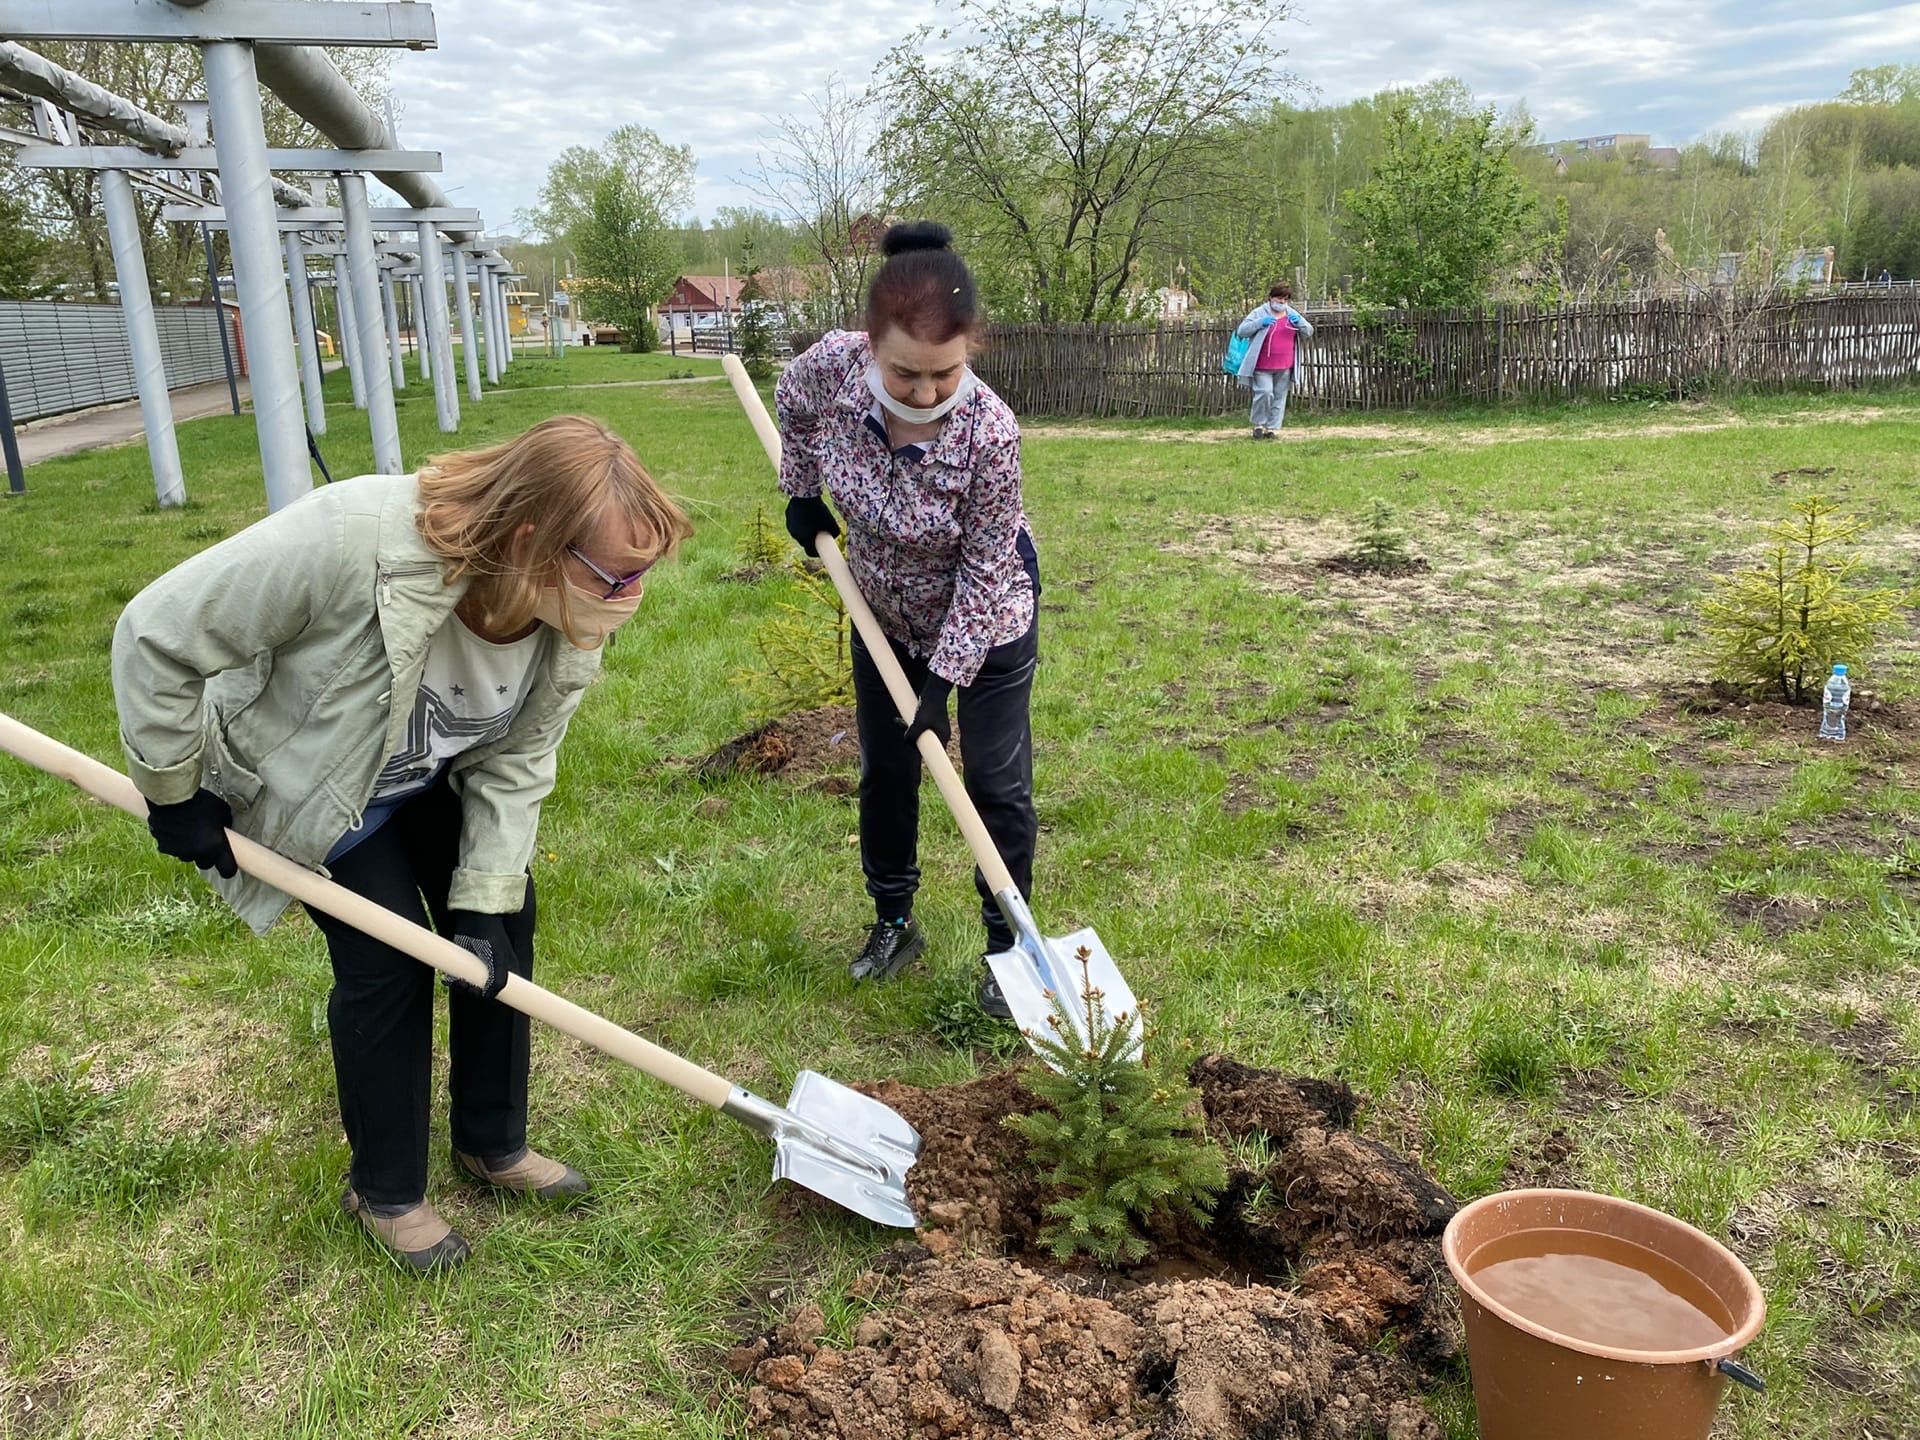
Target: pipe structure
<point>305,333</point>
<point>143,338</point>
<point>363,268</point>
<point>31,73</point>
<point>396,357</point>
<point>433,289</point>
<point>314,89</point>
<point>246,188</point>
<point>347,322</point>
<point>469,341</point>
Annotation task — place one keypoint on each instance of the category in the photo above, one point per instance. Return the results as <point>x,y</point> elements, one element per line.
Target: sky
<point>514,82</point>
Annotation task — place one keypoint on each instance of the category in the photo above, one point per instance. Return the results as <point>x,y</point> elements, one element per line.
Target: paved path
<point>105,426</point>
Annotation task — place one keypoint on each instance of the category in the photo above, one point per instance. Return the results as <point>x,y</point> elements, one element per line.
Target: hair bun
<point>915,235</point>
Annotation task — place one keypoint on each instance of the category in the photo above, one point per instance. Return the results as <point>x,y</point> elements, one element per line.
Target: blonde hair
<point>561,482</point>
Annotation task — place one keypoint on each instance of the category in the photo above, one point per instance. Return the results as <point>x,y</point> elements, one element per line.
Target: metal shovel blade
<point>838,1143</point>
<point>1076,967</point>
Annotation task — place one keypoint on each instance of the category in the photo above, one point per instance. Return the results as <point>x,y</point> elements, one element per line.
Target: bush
<point>1781,626</point>
<point>1121,1141</point>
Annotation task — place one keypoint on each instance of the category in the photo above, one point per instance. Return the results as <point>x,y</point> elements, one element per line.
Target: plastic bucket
<point>1530,1382</point>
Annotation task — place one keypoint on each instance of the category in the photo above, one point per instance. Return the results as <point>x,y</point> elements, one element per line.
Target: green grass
<point>1441,836</point>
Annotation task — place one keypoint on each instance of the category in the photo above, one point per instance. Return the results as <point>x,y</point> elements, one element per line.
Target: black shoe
<point>992,1001</point>
<point>890,945</point>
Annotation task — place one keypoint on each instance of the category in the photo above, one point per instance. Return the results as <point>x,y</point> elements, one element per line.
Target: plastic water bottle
<point>1833,708</point>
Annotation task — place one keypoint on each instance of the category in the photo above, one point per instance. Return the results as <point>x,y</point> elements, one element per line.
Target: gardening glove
<point>195,830</point>
<point>485,937</point>
<point>931,713</point>
<point>807,516</point>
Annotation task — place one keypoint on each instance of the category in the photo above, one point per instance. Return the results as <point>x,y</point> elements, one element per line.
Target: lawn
<point>1472,839</point>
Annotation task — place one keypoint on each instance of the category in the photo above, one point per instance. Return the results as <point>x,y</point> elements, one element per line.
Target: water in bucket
<point>1600,1289</point>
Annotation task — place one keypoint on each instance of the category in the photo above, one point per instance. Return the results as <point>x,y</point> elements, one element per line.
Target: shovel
<point>1074,967</point>
<point>834,1141</point>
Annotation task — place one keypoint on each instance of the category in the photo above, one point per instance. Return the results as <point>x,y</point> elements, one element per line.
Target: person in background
<point>923,460</point>
<point>1275,329</point>
<point>375,681</point>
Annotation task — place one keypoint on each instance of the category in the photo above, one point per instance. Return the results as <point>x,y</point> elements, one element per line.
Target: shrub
<point>1781,626</point>
<point>1122,1140</point>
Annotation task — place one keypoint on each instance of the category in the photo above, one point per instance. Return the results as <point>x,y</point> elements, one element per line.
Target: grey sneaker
<point>415,1233</point>
<point>525,1173</point>
<point>890,945</point>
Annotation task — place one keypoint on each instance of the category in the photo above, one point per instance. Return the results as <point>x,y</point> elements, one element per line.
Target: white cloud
<point>514,82</point>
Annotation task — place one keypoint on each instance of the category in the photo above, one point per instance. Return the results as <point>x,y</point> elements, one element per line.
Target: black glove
<point>807,516</point>
<point>485,937</point>
<point>195,830</point>
<point>931,713</point>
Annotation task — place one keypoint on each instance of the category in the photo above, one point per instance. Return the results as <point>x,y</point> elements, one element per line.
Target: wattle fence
<point>1676,346</point>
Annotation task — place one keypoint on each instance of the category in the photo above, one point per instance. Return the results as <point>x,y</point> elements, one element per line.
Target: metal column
<point>143,339</point>
<point>10,443</point>
<point>506,318</point>
<point>246,188</point>
<point>396,357</point>
<point>463,309</point>
<point>305,334</point>
<point>347,322</point>
<point>489,321</point>
<point>422,342</point>
<point>363,264</point>
<point>433,288</point>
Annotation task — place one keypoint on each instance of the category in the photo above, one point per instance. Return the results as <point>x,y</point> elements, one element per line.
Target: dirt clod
<point>803,743</point>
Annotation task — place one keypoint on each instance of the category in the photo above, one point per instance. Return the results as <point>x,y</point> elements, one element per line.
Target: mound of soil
<point>1866,714</point>
<point>1314,1307</point>
<point>805,743</point>
<point>820,745</point>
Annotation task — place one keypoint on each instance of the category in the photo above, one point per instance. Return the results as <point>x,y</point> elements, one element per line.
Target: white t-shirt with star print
<point>469,692</point>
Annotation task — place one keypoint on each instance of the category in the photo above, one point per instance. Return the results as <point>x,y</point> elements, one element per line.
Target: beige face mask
<point>593,618</point>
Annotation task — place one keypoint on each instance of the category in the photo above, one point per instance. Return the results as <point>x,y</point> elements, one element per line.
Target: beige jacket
<point>279,669</point>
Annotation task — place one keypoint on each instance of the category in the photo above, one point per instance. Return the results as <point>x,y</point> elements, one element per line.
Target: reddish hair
<point>923,288</point>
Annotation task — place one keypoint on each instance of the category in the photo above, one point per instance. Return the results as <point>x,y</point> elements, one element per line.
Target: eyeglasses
<point>614,583</point>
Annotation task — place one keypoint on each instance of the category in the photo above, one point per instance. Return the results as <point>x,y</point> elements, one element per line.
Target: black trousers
<point>380,1014</point>
<point>996,753</point>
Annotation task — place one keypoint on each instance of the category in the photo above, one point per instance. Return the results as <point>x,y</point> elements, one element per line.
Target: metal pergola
<point>272,226</point>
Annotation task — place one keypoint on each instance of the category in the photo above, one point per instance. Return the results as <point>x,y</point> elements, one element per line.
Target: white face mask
<point>916,414</point>
<point>594,619</point>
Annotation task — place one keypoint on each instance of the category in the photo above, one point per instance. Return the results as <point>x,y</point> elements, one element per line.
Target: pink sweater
<point>1277,352</point>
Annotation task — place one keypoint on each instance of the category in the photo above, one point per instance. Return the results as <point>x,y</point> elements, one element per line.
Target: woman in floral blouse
<point>923,461</point>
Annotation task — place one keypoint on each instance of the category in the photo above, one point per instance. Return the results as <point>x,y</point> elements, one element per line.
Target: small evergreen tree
<point>764,547</point>
<point>804,649</point>
<point>1382,547</point>
<point>1781,626</point>
<point>1121,1140</point>
<point>755,330</point>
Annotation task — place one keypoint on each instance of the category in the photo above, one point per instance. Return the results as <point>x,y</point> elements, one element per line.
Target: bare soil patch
<point>797,746</point>
<point>1314,1306</point>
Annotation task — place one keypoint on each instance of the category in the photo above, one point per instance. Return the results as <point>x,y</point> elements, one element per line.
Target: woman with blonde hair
<point>375,681</point>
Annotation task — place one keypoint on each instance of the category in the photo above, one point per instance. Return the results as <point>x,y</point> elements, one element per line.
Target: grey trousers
<point>1270,389</point>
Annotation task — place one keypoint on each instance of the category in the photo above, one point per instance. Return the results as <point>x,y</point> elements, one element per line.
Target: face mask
<point>593,617</point>
<point>915,414</point>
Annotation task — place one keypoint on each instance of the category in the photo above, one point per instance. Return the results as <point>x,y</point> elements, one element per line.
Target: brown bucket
<point>1532,1383</point>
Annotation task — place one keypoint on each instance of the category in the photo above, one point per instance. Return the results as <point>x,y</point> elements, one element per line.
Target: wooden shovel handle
<point>986,855</point>
<point>104,783</point>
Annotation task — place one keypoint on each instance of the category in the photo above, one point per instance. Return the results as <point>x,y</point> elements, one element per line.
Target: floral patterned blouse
<point>933,532</point>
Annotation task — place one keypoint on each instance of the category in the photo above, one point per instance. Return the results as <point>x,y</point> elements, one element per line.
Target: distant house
<point>1611,147</point>
<point>695,296</point>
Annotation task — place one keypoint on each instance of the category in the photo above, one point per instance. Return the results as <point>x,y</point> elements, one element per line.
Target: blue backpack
<point>1236,354</point>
